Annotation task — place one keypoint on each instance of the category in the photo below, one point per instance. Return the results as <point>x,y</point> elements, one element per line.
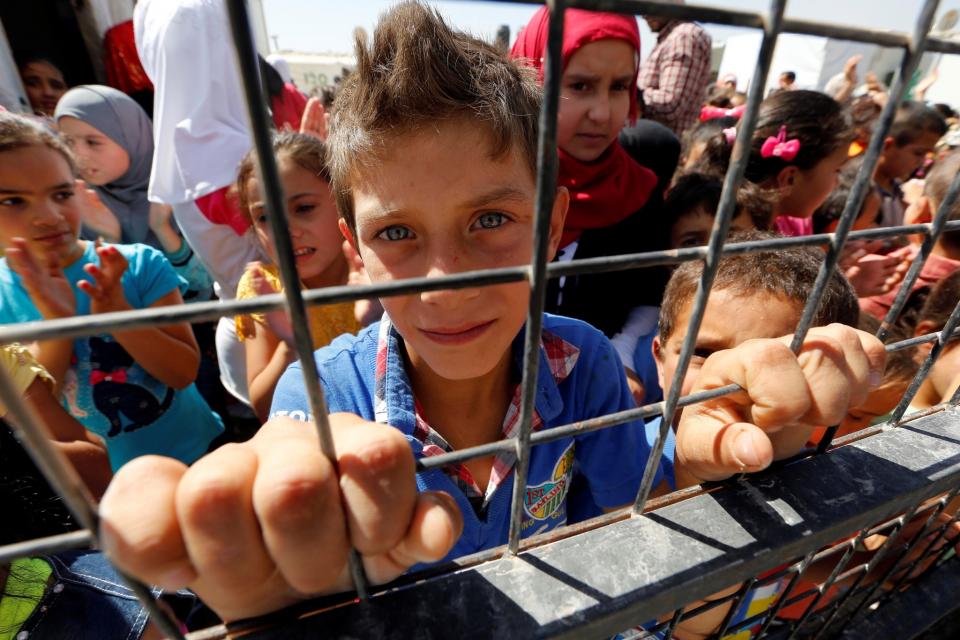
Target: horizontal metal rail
<point>666,558</point>
<point>206,311</point>
<point>753,20</point>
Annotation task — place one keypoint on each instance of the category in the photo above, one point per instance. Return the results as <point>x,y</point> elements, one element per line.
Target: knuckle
<point>209,495</point>
<point>296,498</point>
<point>768,350</point>
<point>380,453</point>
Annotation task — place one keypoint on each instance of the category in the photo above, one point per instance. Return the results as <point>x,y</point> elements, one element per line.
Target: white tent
<point>815,60</point>
<point>946,89</point>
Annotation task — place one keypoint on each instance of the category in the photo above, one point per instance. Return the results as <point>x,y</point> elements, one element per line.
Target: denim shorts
<point>86,599</point>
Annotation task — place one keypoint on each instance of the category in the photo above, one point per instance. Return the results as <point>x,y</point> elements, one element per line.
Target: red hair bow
<point>780,147</point>
<point>119,375</point>
<point>712,113</point>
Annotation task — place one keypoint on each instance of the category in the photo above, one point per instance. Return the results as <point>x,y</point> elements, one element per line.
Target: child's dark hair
<point>832,208</point>
<point>901,365</point>
<point>945,110</point>
<point>417,73</point>
<point>705,131</point>
<point>308,152</point>
<point>935,187</point>
<point>32,58</point>
<point>17,132</point>
<point>699,192</point>
<point>913,119</point>
<point>941,302</point>
<point>787,274</point>
<point>815,119</point>
<point>718,96</point>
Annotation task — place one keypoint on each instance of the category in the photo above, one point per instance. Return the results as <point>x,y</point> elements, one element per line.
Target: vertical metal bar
<point>931,546</point>
<point>546,192</point>
<point>904,553</point>
<point>929,240</point>
<point>674,621</point>
<point>65,480</point>
<point>718,235</point>
<point>737,601</point>
<point>908,65</point>
<point>952,323</point>
<point>276,205</point>
<point>782,600</point>
<point>878,555</point>
<point>828,583</point>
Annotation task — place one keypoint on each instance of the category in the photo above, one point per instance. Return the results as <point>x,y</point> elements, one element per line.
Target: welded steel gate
<point>650,562</point>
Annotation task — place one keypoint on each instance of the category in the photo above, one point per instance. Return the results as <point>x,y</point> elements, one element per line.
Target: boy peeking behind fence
<point>433,163</point>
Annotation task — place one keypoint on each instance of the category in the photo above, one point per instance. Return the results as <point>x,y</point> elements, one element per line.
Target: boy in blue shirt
<point>765,292</point>
<point>432,156</point>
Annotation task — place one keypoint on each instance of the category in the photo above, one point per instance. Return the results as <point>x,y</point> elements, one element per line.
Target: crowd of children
<point>425,165</point>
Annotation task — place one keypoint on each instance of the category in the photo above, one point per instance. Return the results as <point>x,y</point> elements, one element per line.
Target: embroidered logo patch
<point>543,500</point>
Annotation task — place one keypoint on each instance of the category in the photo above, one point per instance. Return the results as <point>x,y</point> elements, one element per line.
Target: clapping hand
<point>46,283</point>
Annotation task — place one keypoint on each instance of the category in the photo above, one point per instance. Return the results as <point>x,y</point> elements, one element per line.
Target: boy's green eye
<point>395,233</point>
<point>491,220</point>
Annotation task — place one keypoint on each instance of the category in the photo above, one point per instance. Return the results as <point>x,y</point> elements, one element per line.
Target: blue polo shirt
<point>607,464</point>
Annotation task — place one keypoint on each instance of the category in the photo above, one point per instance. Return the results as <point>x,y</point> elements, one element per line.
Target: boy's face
<point>437,205</point>
<point>900,162</point>
<point>693,229</point>
<point>37,203</point>
<point>757,316</point>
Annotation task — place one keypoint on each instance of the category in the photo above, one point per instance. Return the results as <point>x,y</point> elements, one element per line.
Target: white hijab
<point>200,124</point>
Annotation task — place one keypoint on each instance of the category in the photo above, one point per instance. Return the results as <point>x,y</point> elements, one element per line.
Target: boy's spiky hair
<point>786,273</point>
<point>417,73</point>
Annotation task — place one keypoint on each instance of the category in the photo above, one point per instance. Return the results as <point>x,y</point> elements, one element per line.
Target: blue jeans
<point>86,599</point>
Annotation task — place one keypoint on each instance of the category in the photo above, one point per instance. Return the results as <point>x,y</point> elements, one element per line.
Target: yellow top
<point>22,368</point>
<point>326,322</point>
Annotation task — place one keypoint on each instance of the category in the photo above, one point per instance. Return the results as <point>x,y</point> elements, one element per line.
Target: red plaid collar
<point>561,357</point>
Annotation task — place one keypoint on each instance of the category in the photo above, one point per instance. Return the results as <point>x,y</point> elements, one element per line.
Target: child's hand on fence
<point>106,289</point>
<point>784,396</point>
<point>278,321</point>
<point>46,284</point>
<point>258,526</point>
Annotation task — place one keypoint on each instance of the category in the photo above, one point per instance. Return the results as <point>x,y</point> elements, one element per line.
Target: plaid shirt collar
<point>665,31</point>
<point>556,355</point>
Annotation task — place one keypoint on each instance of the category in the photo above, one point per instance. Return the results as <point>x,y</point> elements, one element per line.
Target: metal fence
<point>888,483</point>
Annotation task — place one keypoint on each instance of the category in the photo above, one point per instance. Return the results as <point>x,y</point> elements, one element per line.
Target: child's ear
<point>923,328</point>
<point>348,234</point>
<point>786,178</point>
<point>657,350</point>
<point>888,142</point>
<point>557,217</point>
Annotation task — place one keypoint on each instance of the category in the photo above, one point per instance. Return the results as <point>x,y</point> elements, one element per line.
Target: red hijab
<point>612,187</point>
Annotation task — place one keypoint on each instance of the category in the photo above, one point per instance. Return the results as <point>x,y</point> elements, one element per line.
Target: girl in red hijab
<point>614,201</point>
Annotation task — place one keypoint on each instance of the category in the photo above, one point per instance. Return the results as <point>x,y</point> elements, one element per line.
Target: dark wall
<point>48,28</point>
